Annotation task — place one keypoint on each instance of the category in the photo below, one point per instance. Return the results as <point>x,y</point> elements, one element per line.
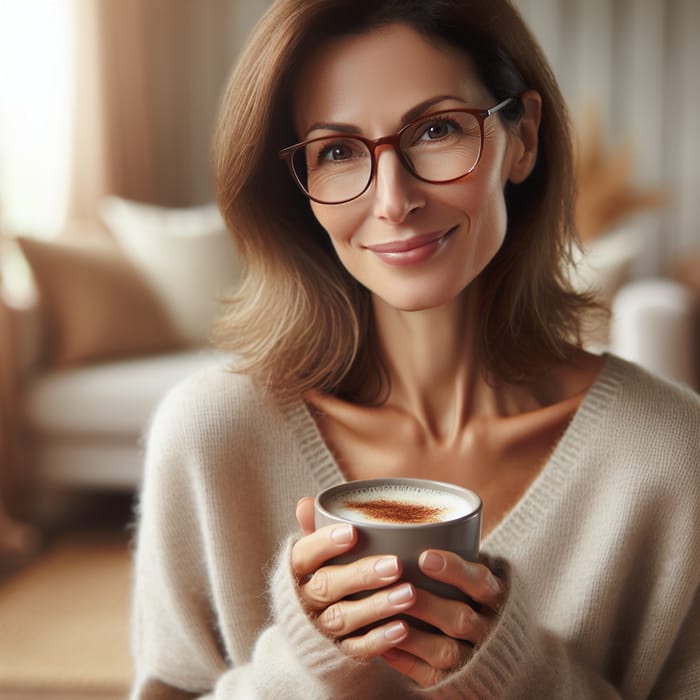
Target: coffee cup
<point>405,517</point>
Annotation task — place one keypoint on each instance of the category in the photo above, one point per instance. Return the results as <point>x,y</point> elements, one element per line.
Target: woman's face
<point>413,244</point>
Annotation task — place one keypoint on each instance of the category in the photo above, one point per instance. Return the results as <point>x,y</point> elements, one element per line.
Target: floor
<point>14,695</point>
<point>105,514</point>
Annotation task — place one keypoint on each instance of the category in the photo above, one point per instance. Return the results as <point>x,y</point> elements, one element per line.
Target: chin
<point>418,302</point>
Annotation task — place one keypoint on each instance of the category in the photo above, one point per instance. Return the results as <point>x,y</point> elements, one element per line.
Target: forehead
<point>372,78</point>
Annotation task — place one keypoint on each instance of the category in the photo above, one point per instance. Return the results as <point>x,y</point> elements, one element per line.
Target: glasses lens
<point>333,169</point>
<point>443,146</point>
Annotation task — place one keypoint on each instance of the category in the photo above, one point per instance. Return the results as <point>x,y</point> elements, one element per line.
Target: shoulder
<point>649,424</point>
<point>210,409</point>
<point>651,401</point>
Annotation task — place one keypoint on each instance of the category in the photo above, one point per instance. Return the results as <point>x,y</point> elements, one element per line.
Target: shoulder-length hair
<point>299,321</point>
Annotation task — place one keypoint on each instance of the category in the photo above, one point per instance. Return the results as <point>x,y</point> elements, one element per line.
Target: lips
<point>412,243</point>
<point>411,251</point>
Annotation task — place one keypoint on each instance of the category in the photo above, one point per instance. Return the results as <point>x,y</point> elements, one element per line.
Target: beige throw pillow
<point>95,303</point>
<point>186,255</point>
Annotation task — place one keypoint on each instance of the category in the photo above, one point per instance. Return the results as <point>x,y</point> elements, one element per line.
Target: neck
<point>433,365</point>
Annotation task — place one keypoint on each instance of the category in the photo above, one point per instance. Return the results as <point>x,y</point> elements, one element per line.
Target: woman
<point>405,313</point>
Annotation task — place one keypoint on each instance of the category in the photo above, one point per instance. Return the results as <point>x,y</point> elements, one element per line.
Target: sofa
<point>116,319</point>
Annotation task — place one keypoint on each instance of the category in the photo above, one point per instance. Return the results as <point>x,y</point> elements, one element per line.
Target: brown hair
<point>299,320</point>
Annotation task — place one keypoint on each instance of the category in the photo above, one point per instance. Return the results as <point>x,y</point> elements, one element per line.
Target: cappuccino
<point>404,517</point>
<point>399,504</point>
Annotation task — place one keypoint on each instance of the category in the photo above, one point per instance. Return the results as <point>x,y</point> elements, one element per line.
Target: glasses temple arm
<point>499,106</point>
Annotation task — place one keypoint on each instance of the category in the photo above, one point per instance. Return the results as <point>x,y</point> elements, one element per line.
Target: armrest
<point>655,323</point>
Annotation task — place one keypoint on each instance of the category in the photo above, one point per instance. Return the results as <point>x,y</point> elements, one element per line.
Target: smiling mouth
<point>410,243</point>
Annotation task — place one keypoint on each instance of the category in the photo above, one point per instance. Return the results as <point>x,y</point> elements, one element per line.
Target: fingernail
<point>401,595</point>
<point>395,633</point>
<point>430,561</point>
<point>342,534</point>
<point>387,567</point>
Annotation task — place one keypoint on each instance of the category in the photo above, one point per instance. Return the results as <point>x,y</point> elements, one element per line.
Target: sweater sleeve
<point>291,658</point>
<point>179,633</point>
<point>519,659</point>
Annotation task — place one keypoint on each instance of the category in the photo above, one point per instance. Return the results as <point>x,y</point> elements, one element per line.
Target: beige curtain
<point>150,75</point>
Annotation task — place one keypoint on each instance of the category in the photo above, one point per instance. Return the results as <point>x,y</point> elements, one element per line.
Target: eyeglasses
<point>438,148</point>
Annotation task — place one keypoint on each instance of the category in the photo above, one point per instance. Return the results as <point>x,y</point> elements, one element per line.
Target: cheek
<point>482,201</point>
<point>339,222</point>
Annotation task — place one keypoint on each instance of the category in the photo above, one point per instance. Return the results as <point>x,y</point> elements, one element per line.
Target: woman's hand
<point>323,588</point>
<point>428,657</point>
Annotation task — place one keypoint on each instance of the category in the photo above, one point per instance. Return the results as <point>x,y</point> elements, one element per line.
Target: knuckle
<point>376,605</point>
<point>318,587</point>
<point>332,619</point>
<point>362,648</point>
<point>363,575</point>
<point>449,655</point>
<point>372,644</point>
<point>464,622</point>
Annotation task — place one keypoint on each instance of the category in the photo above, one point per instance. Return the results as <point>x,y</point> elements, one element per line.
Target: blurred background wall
<point>635,63</point>
<point>110,96</point>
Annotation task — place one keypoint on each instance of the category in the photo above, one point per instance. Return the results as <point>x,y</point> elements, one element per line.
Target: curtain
<point>637,61</point>
<point>149,78</point>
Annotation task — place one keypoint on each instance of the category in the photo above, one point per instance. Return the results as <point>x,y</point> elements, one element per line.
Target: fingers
<point>377,641</point>
<point>305,515</point>
<point>454,618</point>
<point>331,584</point>
<point>316,548</point>
<point>473,579</point>
<point>427,658</point>
<point>347,617</point>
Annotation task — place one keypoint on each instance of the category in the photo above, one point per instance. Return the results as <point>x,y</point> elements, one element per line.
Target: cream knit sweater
<point>601,555</point>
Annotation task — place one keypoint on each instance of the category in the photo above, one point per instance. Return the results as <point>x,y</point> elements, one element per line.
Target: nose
<point>396,191</point>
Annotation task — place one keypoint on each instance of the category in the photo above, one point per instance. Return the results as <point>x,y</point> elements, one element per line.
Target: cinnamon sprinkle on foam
<point>387,511</point>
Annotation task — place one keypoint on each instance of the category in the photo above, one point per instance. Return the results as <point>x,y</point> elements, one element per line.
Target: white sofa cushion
<point>185,254</point>
<point>110,400</point>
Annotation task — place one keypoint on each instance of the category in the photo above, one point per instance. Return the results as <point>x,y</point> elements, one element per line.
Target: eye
<point>338,151</point>
<point>437,129</point>
<point>335,152</point>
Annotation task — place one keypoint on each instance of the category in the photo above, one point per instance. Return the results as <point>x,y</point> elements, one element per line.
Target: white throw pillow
<point>186,255</point>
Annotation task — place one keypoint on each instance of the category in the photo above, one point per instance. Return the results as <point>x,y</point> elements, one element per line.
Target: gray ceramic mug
<point>405,517</point>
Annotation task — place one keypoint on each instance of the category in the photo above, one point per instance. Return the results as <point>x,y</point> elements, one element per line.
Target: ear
<point>525,137</point>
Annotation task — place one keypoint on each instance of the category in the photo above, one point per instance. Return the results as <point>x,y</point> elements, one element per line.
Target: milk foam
<point>448,505</point>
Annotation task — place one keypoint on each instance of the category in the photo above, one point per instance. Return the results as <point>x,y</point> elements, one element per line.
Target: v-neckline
<point>543,488</point>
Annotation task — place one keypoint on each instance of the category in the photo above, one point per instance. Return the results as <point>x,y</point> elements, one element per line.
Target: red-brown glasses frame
<point>394,141</point>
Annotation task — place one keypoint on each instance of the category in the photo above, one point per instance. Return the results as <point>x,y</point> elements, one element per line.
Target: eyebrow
<point>406,118</point>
